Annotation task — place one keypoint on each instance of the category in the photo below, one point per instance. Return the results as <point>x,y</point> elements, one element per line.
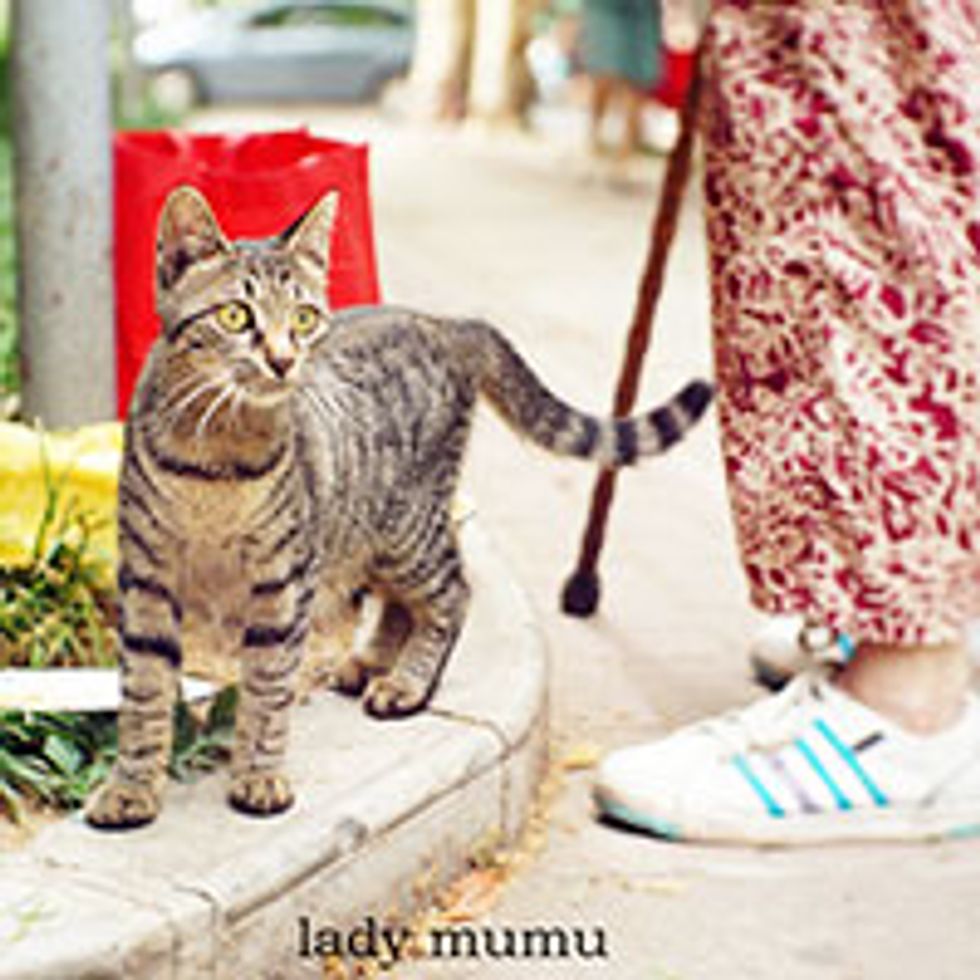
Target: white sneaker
<point>807,765</point>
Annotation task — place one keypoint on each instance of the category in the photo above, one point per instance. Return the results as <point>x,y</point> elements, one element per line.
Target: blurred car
<point>331,50</point>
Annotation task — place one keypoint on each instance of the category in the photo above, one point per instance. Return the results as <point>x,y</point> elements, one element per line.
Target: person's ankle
<point>921,689</point>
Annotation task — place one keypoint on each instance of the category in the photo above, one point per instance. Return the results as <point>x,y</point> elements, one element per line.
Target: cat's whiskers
<point>174,413</point>
<point>175,409</point>
<point>237,401</point>
<point>220,399</point>
<point>180,389</point>
<point>184,394</point>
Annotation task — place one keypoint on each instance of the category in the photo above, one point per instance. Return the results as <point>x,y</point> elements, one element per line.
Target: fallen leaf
<point>472,896</point>
<point>586,755</point>
<point>664,886</point>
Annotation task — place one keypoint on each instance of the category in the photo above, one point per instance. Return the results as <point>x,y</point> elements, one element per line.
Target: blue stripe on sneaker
<point>742,765</point>
<point>843,803</point>
<point>852,762</point>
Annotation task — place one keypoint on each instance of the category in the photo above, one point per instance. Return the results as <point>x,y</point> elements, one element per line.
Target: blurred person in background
<point>621,53</point>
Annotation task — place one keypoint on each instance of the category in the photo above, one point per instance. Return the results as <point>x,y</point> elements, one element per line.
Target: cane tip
<point>580,596</point>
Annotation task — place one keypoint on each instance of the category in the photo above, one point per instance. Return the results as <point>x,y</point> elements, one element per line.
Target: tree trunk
<point>441,63</point>
<point>500,83</point>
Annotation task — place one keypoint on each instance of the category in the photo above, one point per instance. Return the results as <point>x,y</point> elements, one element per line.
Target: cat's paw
<point>261,794</point>
<point>118,805</point>
<point>350,677</point>
<point>394,697</point>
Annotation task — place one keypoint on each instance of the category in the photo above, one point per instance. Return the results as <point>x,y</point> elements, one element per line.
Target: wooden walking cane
<point>581,593</point>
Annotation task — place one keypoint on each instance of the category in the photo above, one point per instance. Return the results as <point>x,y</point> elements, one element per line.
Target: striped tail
<point>532,410</point>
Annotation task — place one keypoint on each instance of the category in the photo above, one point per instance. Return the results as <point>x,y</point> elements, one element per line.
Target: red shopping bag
<point>676,69</point>
<point>258,185</point>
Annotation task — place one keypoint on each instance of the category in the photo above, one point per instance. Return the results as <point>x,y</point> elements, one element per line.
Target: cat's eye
<point>234,317</point>
<point>304,321</point>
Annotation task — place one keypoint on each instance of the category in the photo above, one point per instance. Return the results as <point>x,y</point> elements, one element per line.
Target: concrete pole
<point>63,203</point>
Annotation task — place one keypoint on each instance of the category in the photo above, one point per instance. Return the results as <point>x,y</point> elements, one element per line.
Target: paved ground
<point>551,254</point>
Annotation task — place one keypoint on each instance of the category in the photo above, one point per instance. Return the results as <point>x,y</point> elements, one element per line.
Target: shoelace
<point>771,722</point>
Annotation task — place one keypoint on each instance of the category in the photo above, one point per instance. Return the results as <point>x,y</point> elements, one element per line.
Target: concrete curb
<point>386,813</point>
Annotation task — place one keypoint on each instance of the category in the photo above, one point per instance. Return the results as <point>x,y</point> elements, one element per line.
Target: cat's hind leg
<point>382,630</point>
<point>433,589</point>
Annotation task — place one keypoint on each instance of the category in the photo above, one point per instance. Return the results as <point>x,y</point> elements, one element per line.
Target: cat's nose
<point>280,363</point>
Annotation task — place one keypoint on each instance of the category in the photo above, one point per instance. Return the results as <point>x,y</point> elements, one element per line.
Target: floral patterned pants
<point>842,192</point>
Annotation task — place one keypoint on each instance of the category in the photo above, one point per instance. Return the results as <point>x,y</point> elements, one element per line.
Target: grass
<point>58,611</point>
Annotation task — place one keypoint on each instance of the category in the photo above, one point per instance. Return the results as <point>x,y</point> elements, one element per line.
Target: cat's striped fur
<point>275,448</point>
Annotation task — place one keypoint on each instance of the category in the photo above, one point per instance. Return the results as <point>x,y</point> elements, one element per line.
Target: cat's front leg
<point>149,664</point>
<point>272,648</point>
<point>259,784</point>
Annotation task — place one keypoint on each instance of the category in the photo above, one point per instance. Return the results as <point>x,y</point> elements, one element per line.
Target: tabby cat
<point>274,447</point>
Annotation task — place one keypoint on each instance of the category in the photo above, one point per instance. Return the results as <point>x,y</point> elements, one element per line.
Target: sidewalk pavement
<point>524,235</point>
<point>385,815</point>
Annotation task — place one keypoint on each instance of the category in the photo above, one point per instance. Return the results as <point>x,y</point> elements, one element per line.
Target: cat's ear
<point>188,232</point>
<point>309,236</point>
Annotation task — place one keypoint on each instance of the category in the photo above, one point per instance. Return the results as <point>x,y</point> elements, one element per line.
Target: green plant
<point>58,610</point>
<point>52,759</point>
<point>203,745</point>
<point>56,759</point>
